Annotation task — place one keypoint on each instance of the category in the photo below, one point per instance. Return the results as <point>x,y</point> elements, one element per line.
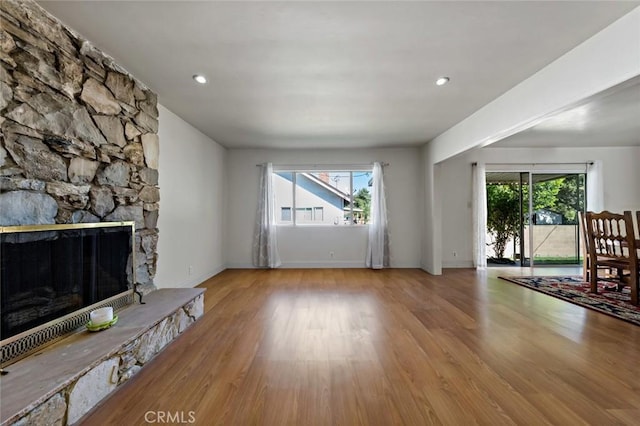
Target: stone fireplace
<point>51,276</point>
<point>79,145</point>
<point>78,140</point>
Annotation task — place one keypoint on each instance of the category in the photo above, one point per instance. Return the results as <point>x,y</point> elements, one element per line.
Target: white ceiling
<point>332,74</point>
<point>607,119</point>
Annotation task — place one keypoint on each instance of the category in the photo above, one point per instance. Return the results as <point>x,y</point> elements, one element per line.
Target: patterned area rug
<point>575,290</point>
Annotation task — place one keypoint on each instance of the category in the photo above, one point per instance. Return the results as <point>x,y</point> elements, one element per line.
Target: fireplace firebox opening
<point>52,276</point>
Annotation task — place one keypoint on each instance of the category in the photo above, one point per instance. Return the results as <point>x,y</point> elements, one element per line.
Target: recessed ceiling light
<point>200,78</point>
<point>442,81</point>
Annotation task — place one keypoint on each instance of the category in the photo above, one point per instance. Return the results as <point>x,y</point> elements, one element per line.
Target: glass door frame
<point>526,220</point>
<point>529,170</point>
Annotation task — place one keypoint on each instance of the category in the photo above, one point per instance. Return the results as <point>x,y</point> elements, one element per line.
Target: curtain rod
<point>475,163</point>
<point>319,166</point>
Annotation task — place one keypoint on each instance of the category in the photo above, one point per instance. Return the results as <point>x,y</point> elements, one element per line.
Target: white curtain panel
<point>595,188</point>
<point>265,246</point>
<point>479,216</point>
<point>378,247</point>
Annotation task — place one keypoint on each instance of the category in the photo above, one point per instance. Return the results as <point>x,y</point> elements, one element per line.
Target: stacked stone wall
<point>78,138</point>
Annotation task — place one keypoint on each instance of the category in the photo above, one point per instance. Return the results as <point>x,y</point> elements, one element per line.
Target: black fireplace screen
<point>48,274</point>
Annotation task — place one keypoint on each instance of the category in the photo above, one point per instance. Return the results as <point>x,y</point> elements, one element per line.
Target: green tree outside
<point>503,214</point>
<point>362,200</point>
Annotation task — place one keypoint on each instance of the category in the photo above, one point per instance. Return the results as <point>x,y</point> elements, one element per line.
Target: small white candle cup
<point>101,316</point>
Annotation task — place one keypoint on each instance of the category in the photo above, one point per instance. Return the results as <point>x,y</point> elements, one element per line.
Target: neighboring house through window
<point>323,197</point>
<point>285,215</point>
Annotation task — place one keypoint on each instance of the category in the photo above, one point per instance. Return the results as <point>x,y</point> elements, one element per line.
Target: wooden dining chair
<point>586,263</point>
<point>638,233</point>
<point>612,244</point>
<point>585,246</point>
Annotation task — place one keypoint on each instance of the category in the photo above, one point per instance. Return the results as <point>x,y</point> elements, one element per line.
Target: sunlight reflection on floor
<point>321,325</point>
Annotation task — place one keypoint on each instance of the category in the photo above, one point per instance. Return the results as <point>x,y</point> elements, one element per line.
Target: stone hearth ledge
<point>64,381</point>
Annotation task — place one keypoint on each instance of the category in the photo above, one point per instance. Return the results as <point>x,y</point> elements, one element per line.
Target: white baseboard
<point>303,265</point>
<point>238,265</point>
<point>323,264</point>
<point>318,264</point>
<point>458,264</point>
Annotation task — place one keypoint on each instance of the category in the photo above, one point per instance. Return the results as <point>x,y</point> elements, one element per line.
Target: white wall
<point>620,174</point>
<point>192,199</point>
<point>431,231</point>
<point>310,246</point>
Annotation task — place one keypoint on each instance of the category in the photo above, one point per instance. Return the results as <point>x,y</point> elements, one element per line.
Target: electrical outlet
<point>455,253</point>
<point>331,254</point>
<point>190,270</point>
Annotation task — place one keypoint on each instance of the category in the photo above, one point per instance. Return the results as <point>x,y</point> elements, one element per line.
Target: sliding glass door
<point>505,218</point>
<point>525,228</point>
<point>532,218</point>
<point>557,198</point>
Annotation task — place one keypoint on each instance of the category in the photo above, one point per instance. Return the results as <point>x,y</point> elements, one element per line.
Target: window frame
<point>295,170</point>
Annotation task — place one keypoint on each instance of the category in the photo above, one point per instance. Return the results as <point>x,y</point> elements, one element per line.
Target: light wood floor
<point>354,346</point>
